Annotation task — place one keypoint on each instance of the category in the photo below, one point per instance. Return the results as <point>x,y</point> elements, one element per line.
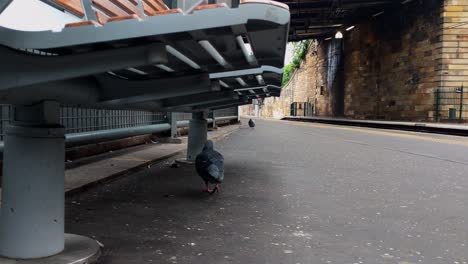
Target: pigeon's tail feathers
<point>221,177</point>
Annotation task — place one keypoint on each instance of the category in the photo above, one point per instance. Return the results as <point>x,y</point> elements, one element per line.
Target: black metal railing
<point>451,105</point>
<point>77,119</point>
<point>302,109</point>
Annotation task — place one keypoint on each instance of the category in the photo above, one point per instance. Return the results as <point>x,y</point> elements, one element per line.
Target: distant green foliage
<point>299,53</point>
<point>287,73</point>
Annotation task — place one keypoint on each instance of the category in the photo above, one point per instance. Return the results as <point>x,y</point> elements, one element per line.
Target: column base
<point>78,250</point>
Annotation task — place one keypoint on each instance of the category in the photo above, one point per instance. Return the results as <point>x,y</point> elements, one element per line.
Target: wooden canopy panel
<point>110,8</point>
<point>72,6</point>
<point>116,10</point>
<point>107,9</point>
<point>128,6</point>
<point>210,6</point>
<point>101,18</point>
<point>170,11</point>
<point>83,23</point>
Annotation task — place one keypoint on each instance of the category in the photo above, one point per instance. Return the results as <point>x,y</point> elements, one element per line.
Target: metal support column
<point>32,223</point>
<point>213,117</point>
<point>198,133</point>
<point>32,212</point>
<point>256,107</point>
<point>173,122</point>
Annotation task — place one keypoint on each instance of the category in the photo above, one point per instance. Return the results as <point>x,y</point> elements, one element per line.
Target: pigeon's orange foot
<point>210,191</point>
<point>215,189</point>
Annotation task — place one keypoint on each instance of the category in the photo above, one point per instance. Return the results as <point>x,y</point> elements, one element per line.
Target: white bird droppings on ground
<point>386,255</point>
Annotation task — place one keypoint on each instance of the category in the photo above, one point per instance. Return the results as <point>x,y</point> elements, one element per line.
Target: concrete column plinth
<point>32,219</point>
<point>33,197</point>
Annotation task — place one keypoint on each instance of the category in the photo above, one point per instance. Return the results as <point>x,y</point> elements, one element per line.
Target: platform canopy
<point>146,55</point>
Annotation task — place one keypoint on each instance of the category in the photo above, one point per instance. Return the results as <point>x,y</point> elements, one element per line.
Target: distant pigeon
<point>251,123</point>
<point>210,166</point>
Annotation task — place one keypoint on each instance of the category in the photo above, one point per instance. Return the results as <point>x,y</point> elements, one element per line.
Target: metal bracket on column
<point>199,115</point>
<point>141,7</point>
<point>193,6</point>
<point>89,11</point>
<point>47,113</point>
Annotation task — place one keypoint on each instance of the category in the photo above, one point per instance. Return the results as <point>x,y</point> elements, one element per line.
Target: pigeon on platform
<point>251,123</point>
<point>210,166</point>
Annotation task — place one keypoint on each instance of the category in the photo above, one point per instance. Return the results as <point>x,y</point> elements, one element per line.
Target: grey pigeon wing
<point>218,160</point>
<point>201,164</point>
<point>213,171</point>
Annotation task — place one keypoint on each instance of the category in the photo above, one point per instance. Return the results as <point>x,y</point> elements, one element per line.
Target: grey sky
<point>288,57</point>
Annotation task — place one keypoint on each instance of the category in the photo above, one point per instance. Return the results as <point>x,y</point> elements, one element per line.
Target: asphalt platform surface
<point>293,193</point>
